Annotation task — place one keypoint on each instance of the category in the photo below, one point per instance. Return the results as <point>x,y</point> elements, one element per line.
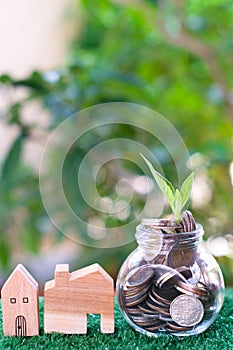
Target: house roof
<point>20,272</point>
<point>81,273</point>
<point>89,270</point>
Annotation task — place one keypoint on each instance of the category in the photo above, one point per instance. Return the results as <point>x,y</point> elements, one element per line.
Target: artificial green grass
<point>219,336</point>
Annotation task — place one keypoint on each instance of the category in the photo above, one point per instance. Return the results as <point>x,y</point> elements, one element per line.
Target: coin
<point>188,221</point>
<point>185,271</point>
<point>160,259</point>
<point>141,275</point>
<point>136,301</point>
<point>166,294</point>
<point>159,271</point>
<point>173,327</point>
<point>165,318</point>
<point>169,278</point>
<point>144,321</point>
<point>186,310</point>
<point>167,226</point>
<point>131,291</point>
<point>166,277</point>
<point>156,327</point>
<point>157,308</point>
<point>134,311</point>
<point>136,296</point>
<point>159,298</point>
<point>157,302</point>
<point>160,223</point>
<point>144,309</point>
<point>190,289</point>
<point>178,257</point>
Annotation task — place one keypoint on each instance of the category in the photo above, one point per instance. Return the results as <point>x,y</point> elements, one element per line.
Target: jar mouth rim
<point>197,232</point>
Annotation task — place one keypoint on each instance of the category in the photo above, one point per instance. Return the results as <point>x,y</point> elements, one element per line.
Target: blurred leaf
<point>186,189</point>
<point>5,79</point>
<point>5,250</point>
<point>36,82</point>
<point>164,185</point>
<point>30,238</point>
<point>11,164</point>
<point>177,205</point>
<point>15,113</point>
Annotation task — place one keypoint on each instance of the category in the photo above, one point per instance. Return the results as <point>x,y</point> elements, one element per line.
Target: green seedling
<point>177,198</point>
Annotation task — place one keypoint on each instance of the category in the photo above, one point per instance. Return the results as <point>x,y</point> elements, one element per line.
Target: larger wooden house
<point>71,296</point>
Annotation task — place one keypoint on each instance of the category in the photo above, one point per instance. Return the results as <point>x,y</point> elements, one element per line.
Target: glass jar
<point>170,283</point>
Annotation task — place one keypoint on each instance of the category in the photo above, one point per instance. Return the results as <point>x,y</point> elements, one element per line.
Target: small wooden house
<point>71,296</point>
<point>20,304</point>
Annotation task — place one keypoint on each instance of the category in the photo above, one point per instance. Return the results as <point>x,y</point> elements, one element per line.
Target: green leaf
<point>186,188</point>
<point>178,205</point>
<point>164,185</point>
<point>11,163</point>
<point>5,250</point>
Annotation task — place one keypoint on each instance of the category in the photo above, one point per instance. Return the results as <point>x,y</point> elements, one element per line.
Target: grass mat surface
<point>218,336</point>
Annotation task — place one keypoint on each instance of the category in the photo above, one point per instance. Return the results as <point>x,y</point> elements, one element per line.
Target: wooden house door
<point>20,326</point>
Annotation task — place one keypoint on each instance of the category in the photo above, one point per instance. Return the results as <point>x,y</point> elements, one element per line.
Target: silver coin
<point>186,310</point>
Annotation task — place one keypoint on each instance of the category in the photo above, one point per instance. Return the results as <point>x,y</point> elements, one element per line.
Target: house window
<point>25,300</point>
<point>13,300</point>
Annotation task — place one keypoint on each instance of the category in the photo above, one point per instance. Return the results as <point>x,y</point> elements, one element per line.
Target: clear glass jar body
<point>170,284</point>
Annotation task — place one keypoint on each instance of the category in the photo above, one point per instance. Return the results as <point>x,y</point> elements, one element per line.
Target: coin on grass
<point>186,310</point>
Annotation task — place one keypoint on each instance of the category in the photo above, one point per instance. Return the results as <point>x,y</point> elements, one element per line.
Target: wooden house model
<point>71,296</point>
<point>20,304</point>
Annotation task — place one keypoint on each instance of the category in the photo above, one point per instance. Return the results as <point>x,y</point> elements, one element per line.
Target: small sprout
<point>176,198</point>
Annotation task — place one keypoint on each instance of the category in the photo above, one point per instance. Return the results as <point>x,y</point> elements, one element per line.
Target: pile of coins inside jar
<point>162,294</point>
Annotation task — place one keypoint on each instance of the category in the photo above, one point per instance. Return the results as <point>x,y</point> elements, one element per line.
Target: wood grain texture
<point>20,304</point>
<point>71,296</point>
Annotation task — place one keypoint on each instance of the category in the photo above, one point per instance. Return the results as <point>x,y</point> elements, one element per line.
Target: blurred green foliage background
<point>172,56</point>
